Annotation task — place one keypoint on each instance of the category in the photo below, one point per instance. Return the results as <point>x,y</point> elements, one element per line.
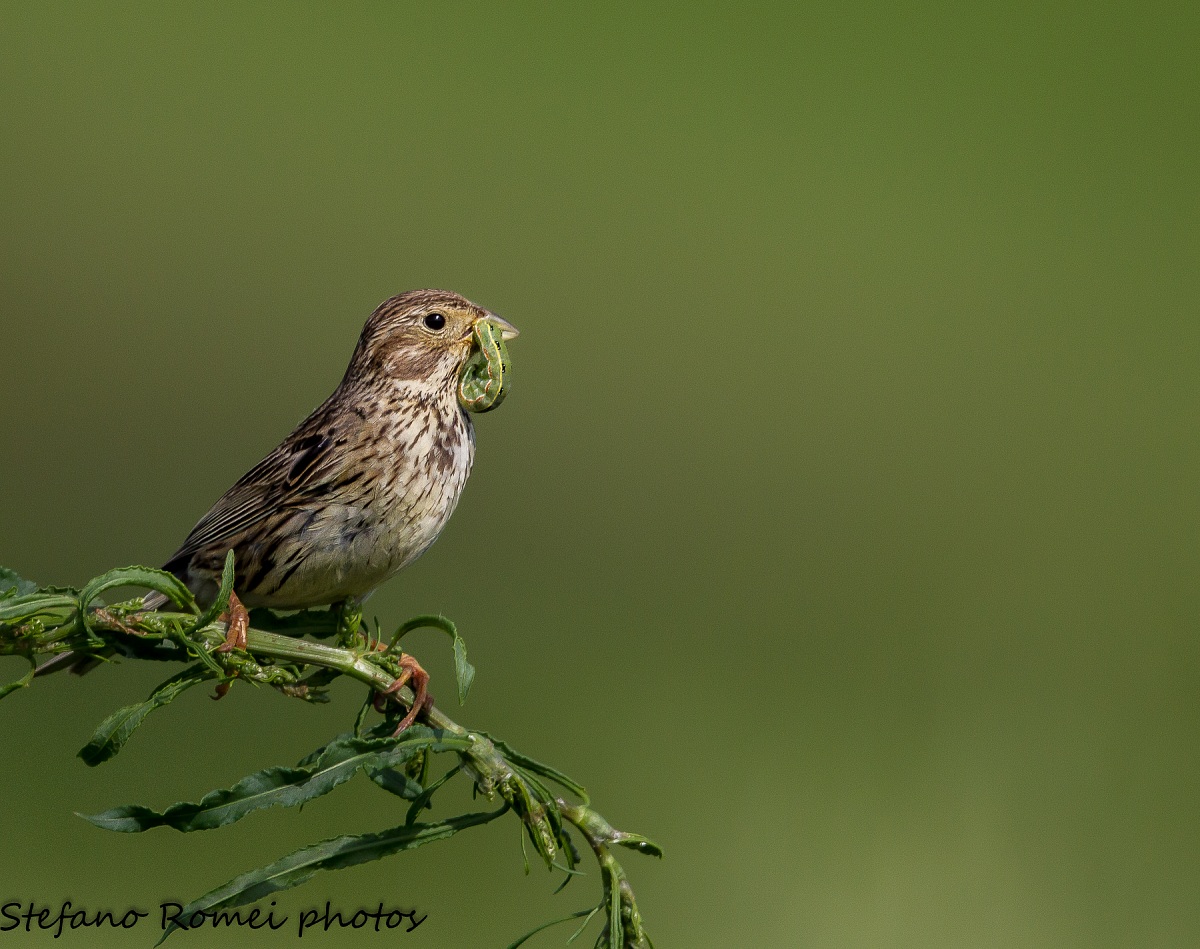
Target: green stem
<point>623,928</point>
<point>491,771</point>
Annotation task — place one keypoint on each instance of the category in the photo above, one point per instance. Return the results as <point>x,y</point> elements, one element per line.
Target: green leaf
<point>589,913</point>
<point>639,843</point>
<point>582,926</point>
<point>335,854</point>
<point>464,672</point>
<point>19,608</point>
<point>421,801</point>
<point>21,682</point>
<point>398,783</point>
<point>160,581</point>
<point>220,604</point>
<point>314,756</point>
<point>11,584</point>
<point>278,786</point>
<point>187,637</point>
<point>115,730</point>
<point>537,767</point>
<point>360,720</point>
<point>193,648</point>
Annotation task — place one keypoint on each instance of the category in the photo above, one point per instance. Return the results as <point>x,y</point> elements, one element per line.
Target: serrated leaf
<point>277,786</point>
<point>313,756</point>
<point>335,854</point>
<point>186,637</point>
<point>160,581</point>
<point>464,672</point>
<point>12,584</point>
<point>18,608</point>
<point>221,603</point>
<point>21,682</point>
<point>115,730</point>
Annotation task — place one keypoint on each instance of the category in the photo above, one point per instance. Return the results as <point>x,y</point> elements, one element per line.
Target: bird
<point>361,487</point>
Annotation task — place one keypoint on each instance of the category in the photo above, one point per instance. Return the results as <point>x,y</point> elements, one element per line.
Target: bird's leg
<point>410,669</point>
<point>348,614</point>
<point>238,619</point>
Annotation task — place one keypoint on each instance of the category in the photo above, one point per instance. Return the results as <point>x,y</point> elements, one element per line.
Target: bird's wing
<point>306,464</point>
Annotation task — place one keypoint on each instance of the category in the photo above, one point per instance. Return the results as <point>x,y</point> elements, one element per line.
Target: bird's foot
<point>410,670</point>
<point>238,619</point>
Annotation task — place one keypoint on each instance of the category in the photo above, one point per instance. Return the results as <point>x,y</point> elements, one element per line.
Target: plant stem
<point>273,654</point>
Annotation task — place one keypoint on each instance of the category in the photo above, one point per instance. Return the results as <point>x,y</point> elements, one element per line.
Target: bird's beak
<point>507,330</point>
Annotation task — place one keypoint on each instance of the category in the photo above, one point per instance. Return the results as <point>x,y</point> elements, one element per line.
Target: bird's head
<point>424,337</point>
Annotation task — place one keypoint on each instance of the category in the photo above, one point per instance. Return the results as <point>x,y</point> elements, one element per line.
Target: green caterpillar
<point>484,380</point>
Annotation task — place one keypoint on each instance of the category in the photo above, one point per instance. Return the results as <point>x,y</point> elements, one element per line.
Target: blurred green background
<point>847,488</point>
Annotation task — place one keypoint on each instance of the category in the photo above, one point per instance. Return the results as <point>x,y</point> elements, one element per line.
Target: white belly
<point>349,549</point>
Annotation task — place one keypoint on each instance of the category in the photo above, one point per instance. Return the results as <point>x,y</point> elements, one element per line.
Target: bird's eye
<point>435,321</point>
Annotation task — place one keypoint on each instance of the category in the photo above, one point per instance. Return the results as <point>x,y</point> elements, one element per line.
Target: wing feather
<point>304,464</point>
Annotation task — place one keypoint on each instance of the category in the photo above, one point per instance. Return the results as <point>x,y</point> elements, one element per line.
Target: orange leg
<point>238,619</point>
<point>410,669</point>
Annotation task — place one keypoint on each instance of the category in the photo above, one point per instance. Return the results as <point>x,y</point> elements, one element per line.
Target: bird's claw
<point>410,671</point>
<point>238,619</point>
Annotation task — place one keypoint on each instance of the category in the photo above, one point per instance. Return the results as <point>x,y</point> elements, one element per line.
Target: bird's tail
<point>154,601</point>
<point>78,664</point>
